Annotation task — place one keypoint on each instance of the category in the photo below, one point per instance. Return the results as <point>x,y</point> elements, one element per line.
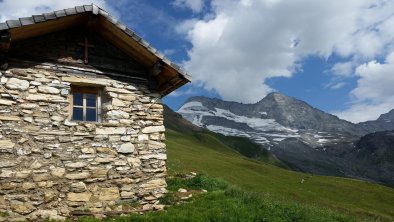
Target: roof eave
<point>74,15</point>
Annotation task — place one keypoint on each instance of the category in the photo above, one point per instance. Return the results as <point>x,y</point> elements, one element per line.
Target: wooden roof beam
<point>5,40</point>
<point>156,69</point>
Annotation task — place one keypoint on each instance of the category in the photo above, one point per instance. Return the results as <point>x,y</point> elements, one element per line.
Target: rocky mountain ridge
<point>271,120</point>
<point>305,138</point>
<point>385,122</point>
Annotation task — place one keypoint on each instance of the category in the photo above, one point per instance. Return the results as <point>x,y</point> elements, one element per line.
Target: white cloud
<point>185,26</point>
<point>182,92</point>
<point>194,5</point>
<point>169,52</point>
<point>374,93</point>
<point>12,9</point>
<point>246,42</point>
<point>336,85</point>
<point>362,112</point>
<point>342,69</point>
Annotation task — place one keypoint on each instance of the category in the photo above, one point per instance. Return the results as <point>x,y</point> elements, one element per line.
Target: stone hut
<point>81,122</point>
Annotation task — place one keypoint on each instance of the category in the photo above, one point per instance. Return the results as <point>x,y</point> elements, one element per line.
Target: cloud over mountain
<point>374,93</point>
<point>241,44</point>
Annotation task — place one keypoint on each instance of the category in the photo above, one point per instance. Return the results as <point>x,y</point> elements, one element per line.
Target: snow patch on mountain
<point>226,131</point>
<point>195,111</point>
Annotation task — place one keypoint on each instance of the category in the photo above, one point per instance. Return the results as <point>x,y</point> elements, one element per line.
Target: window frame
<point>85,90</point>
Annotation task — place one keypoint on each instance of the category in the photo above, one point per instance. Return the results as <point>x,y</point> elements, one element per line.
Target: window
<point>85,104</point>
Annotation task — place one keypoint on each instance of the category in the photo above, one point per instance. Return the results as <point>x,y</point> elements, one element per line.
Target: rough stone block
<point>23,174</point>
<point>76,165</point>
<point>134,162</point>
<point>109,194</point>
<point>127,195</point>
<point>111,130</point>
<point>41,177</point>
<point>117,114</point>
<point>7,174</point>
<point>78,187</point>
<point>18,84</point>
<point>99,173</point>
<point>126,148</point>
<point>79,197</point>
<point>22,208</point>
<point>154,184</point>
<point>78,176</point>
<point>50,195</point>
<point>58,172</point>
<point>48,89</point>
<point>104,159</point>
<point>118,102</point>
<point>160,156</point>
<point>28,186</point>
<point>108,151</point>
<point>8,163</point>
<point>129,98</point>
<point>46,98</point>
<point>6,102</point>
<point>50,214</point>
<point>6,145</point>
<point>118,90</point>
<point>28,105</point>
<point>153,129</point>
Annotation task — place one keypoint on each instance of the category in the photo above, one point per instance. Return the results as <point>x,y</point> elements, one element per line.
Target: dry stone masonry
<point>51,165</point>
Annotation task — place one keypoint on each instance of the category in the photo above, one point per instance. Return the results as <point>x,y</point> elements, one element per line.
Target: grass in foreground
<point>206,154</point>
<point>224,203</point>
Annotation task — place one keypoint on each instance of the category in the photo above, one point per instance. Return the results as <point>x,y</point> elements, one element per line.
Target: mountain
<point>385,122</point>
<point>304,138</point>
<point>269,121</point>
<point>203,152</point>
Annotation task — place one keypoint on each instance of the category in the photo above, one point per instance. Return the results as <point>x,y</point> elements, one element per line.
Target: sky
<point>336,55</point>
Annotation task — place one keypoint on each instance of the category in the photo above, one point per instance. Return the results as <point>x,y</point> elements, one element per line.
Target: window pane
<point>91,100</point>
<point>78,99</point>
<point>77,114</point>
<point>91,114</point>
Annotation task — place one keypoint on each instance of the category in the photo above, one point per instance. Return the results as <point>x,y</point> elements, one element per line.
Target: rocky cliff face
<point>375,154</point>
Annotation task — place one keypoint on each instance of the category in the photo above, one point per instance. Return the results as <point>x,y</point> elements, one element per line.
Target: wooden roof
<point>169,75</point>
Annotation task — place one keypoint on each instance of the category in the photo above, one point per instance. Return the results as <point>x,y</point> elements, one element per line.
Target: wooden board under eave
<point>67,47</point>
<point>171,85</point>
<point>124,42</point>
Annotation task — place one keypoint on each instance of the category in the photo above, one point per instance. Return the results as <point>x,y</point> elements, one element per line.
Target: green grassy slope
<point>244,146</point>
<point>205,153</point>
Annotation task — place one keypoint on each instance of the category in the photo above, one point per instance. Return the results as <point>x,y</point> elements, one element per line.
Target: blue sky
<point>337,56</point>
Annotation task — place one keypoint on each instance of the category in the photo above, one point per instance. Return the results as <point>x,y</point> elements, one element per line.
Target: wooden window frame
<point>86,90</point>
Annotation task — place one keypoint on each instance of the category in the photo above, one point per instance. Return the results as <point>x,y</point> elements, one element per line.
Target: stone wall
<point>51,166</point>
